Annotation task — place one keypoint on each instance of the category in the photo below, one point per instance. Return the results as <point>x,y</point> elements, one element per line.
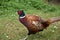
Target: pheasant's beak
<point>16,12</point>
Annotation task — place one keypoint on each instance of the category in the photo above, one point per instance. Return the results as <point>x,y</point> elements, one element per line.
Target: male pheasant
<point>35,23</point>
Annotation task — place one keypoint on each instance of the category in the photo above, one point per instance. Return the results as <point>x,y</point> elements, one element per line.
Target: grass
<point>12,29</point>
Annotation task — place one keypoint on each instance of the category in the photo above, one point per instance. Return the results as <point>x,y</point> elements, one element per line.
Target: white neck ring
<point>22,17</point>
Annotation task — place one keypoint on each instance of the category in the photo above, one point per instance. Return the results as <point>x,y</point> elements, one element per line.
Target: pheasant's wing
<point>34,23</point>
<point>37,24</point>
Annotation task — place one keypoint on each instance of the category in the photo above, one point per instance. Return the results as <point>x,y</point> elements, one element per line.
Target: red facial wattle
<point>19,12</point>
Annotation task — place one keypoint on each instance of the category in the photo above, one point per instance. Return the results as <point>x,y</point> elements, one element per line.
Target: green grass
<point>12,29</point>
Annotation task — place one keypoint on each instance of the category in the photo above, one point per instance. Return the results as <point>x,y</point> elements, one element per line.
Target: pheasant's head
<point>21,13</point>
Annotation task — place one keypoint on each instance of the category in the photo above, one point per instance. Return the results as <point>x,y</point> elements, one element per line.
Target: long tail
<point>52,20</point>
<point>49,21</point>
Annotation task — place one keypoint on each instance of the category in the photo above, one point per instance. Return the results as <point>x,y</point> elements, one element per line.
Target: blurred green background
<point>12,29</point>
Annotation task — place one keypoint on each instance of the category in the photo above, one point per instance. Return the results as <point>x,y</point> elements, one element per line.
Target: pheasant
<point>35,23</point>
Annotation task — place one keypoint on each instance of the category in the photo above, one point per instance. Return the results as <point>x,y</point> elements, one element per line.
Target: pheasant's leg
<point>24,38</point>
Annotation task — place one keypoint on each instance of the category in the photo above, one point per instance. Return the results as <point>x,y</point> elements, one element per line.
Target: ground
<point>12,29</point>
